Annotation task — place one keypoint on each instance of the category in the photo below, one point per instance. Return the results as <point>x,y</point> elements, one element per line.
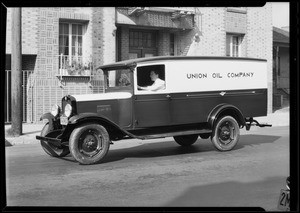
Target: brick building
<point>61,46</point>
<point>281,68</point>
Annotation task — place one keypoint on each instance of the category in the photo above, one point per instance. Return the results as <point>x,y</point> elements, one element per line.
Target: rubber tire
<point>186,140</point>
<point>51,150</point>
<point>74,144</point>
<point>215,137</point>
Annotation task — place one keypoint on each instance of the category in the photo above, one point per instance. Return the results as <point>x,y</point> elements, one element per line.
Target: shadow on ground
<point>170,148</point>
<point>263,194</point>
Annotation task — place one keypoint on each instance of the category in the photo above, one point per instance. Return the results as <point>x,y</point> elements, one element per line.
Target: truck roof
<point>133,62</point>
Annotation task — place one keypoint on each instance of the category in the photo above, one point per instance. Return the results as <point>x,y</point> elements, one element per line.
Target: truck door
<point>151,108</point>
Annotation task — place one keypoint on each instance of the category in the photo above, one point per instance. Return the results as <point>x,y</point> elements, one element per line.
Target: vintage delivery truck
<point>145,98</point>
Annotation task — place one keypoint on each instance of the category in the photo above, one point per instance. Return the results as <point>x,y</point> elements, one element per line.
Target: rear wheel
<point>186,140</point>
<point>50,149</point>
<point>226,133</point>
<point>89,143</point>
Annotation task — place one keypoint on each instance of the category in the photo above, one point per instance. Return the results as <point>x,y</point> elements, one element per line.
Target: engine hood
<point>103,96</point>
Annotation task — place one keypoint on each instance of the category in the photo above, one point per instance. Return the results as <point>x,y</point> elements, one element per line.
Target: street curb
<point>7,143</point>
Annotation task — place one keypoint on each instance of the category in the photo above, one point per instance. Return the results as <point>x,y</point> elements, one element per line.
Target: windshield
<point>118,78</point>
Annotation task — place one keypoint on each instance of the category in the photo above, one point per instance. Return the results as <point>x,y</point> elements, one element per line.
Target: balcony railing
<point>74,66</point>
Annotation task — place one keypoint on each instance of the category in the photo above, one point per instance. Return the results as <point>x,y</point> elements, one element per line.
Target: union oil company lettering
<point>219,75</point>
<point>196,75</point>
<point>240,74</point>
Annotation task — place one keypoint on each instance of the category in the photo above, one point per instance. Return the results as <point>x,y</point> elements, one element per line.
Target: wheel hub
<point>90,143</point>
<point>225,134</point>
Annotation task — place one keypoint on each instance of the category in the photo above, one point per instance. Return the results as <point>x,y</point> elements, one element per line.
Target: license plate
<point>284,200</point>
<point>63,120</point>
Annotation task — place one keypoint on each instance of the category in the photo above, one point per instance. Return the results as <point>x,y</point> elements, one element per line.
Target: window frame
<point>147,92</point>
<point>234,47</point>
<point>70,40</point>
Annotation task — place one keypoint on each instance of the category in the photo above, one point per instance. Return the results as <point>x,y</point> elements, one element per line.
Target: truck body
<point>198,93</point>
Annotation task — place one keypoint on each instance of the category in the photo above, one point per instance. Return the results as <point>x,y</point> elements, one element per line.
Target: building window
<point>233,45</point>
<point>172,44</point>
<point>139,39</point>
<point>70,41</point>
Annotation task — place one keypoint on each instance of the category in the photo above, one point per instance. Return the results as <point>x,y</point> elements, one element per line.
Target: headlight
<point>68,110</point>
<point>55,110</point>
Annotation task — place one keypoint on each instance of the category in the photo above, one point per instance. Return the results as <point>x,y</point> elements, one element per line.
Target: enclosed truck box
<point>182,97</point>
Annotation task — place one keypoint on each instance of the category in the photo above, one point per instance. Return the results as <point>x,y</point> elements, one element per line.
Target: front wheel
<point>186,140</point>
<point>226,133</point>
<point>89,143</point>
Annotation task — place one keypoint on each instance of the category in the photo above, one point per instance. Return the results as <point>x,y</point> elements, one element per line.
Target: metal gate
<point>27,93</point>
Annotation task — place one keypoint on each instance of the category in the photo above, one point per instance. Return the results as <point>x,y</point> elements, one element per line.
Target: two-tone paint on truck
<point>203,96</point>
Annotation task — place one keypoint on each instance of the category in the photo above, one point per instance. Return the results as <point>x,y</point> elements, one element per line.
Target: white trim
<point>103,96</point>
<point>70,44</point>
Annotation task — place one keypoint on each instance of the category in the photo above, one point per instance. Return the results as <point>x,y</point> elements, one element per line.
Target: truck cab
<point>180,97</point>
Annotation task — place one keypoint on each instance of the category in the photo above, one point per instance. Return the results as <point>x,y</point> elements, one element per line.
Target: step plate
<point>171,134</point>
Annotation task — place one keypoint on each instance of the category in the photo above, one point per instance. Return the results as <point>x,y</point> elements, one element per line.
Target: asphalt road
<point>155,173</point>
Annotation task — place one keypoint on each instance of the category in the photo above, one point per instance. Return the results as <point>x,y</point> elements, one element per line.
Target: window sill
<point>75,76</point>
<point>236,10</point>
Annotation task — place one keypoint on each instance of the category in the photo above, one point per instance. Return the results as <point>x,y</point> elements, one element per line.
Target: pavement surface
<point>278,118</point>
<point>154,173</point>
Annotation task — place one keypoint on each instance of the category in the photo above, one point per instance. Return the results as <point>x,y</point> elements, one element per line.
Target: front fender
<point>93,117</point>
<point>53,123</point>
<point>227,109</point>
<point>88,116</point>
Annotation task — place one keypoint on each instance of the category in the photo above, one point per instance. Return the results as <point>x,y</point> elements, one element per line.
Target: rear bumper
<point>251,122</point>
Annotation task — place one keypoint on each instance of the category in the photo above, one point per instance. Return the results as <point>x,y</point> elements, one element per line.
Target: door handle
<point>168,96</point>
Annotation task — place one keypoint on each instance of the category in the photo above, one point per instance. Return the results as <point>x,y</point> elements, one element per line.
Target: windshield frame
<point>118,88</point>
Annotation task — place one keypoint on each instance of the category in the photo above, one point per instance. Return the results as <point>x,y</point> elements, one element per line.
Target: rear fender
<point>225,109</point>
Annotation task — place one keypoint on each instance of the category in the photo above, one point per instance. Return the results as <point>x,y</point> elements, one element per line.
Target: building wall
<point>212,37</point>
<point>40,35</point>
<point>41,29</point>
<point>259,40</point>
<point>108,35</point>
<point>29,30</point>
<point>284,68</point>
<point>163,43</point>
<point>124,43</point>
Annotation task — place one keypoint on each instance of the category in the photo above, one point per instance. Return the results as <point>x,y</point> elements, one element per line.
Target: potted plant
<point>75,68</point>
<point>88,68</point>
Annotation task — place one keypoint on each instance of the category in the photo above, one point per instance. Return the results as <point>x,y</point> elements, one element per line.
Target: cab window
<point>118,78</point>
<point>151,78</point>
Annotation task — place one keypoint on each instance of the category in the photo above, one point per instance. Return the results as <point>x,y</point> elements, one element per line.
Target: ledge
<point>75,76</point>
<point>237,10</point>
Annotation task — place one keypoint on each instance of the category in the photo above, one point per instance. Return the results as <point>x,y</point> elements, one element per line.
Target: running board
<point>171,134</point>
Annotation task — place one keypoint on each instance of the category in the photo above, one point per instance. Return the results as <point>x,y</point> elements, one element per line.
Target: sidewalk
<point>278,118</point>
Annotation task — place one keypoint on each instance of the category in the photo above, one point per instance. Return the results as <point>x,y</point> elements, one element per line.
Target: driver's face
<point>153,76</point>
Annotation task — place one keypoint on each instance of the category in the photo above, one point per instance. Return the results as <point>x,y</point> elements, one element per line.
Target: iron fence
<point>27,94</point>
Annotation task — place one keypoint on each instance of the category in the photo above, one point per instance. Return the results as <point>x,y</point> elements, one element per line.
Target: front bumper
<point>58,138</point>
<point>53,141</point>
